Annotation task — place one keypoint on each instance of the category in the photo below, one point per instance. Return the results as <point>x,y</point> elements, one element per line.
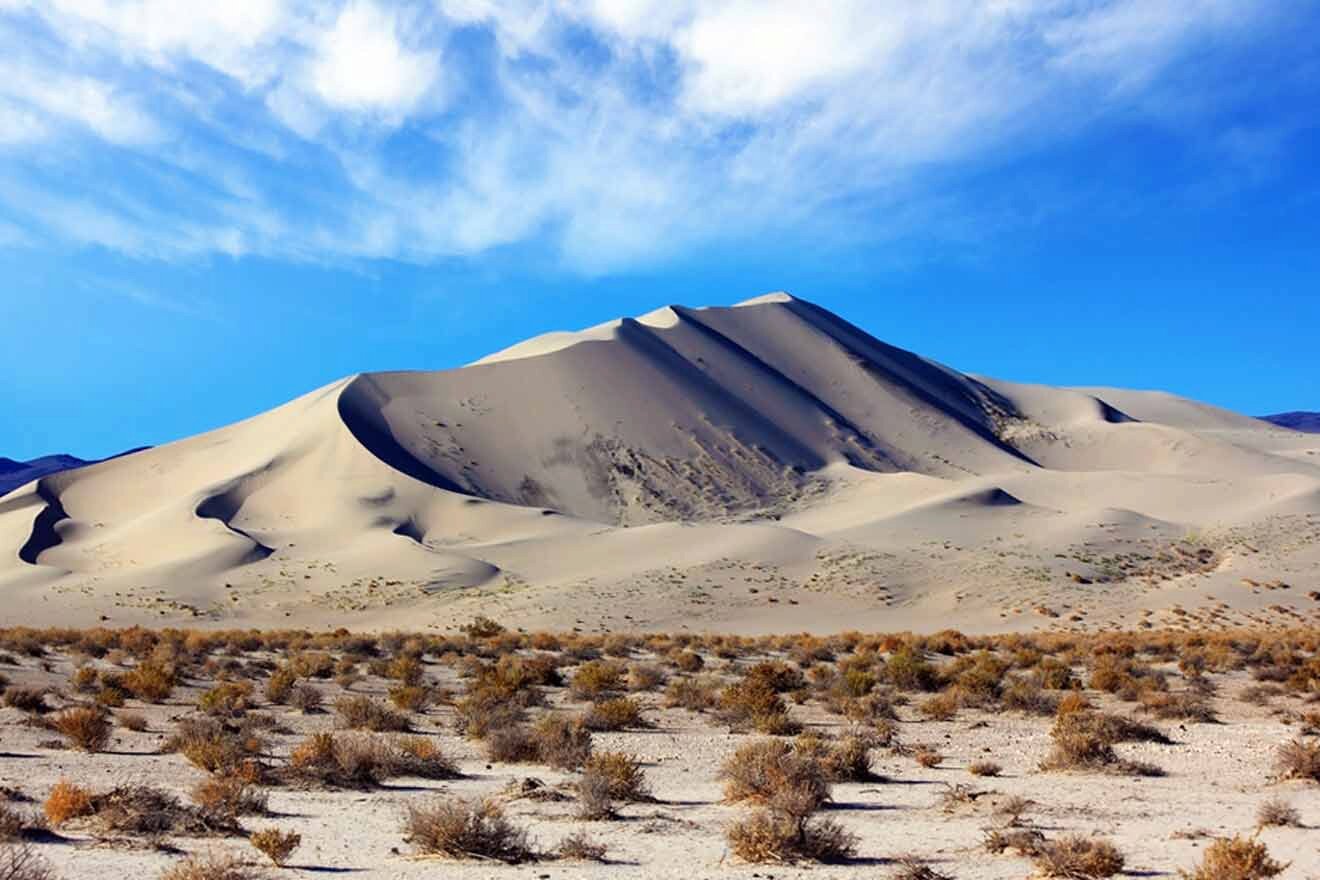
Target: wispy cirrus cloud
<point>608,133</point>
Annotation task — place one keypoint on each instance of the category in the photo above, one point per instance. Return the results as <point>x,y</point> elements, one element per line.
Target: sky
<point>209,209</point>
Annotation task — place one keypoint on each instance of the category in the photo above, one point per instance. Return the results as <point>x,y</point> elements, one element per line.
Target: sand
<point>762,467</point>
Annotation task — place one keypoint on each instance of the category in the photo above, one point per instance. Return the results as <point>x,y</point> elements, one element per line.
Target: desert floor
<point>1216,773</point>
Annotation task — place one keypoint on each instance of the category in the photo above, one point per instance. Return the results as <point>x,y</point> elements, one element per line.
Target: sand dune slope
<point>719,466</point>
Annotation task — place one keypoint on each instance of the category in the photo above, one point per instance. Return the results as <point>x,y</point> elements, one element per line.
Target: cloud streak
<point>606,134</point>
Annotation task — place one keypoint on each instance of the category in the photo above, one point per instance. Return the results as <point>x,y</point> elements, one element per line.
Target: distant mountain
<point>1298,421</point>
<point>17,473</point>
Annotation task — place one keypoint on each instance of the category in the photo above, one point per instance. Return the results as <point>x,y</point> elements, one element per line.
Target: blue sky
<point>207,211</point>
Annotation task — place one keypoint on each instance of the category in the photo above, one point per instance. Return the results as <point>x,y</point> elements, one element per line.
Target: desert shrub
<point>696,694</point>
<point>364,713</point>
<point>593,797</point>
<point>275,845</point>
<point>984,768</point>
<point>773,773</point>
<point>580,847</point>
<point>1055,675</point>
<point>1297,759</point>
<point>1026,695</point>
<point>467,830</point>
<point>752,702</point>
<point>228,699</point>
<point>1076,856</point>
<point>562,742</point>
<point>912,868</point>
<point>939,707</point>
<point>514,744</point>
<point>927,757</point>
<point>777,675</point>
<point>29,700</point>
<point>134,721</point>
<point>85,727</point>
<point>1027,842</point>
<point>482,627</point>
<point>687,661</point>
<point>848,760</point>
<point>406,670</point>
<point>1185,706</point>
<point>305,698</point>
<point>907,670</point>
<point>1235,858</point>
<point>1085,739</point>
<point>147,810</point>
<point>84,679</point>
<point>229,796</point>
<point>362,760</point>
<point>211,746</point>
<point>1277,812</point>
<point>767,836</point>
<point>151,681</point>
<point>616,714</point>
<point>644,677</point>
<point>597,678</point>
<point>625,780</point>
<point>212,866</point>
<point>280,685</point>
<point>419,756</point>
<point>411,697</point>
<point>67,801</point>
<point>19,861</point>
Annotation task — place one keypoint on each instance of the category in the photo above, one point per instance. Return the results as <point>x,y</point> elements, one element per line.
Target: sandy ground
<point>1217,776</point>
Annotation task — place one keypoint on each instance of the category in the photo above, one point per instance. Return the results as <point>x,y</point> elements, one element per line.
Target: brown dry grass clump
<point>769,836</point>
<point>1085,739</point>
<point>581,848</point>
<point>363,760</point>
<point>1076,856</point>
<point>1277,813</point>
<point>621,713</point>
<point>1235,858</point>
<point>213,866</point>
<point>67,801</point>
<point>623,775</point>
<point>984,768</point>
<point>1297,759</point>
<point>275,844</point>
<point>364,713</point>
<point>85,727</point>
<point>773,773</point>
<point>562,742</point>
<point>462,829</point>
<point>229,796</point>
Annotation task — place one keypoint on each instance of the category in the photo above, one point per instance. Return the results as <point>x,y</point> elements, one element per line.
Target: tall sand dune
<point>762,464</point>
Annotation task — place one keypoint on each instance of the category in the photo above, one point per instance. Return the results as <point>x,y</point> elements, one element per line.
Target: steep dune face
<point>697,414</point>
<point>683,462</point>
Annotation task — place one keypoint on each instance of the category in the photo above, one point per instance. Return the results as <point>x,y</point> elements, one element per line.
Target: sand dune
<point>766,464</point>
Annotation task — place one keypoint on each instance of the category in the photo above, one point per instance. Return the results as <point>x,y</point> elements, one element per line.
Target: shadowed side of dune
<point>44,534</point>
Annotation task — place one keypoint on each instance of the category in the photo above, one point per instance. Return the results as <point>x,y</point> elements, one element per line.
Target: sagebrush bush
<point>275,845</point>
<point>1076,856</point>
<point>463,829</point>
<point>1297,759</point>
<point>1235,858</point>
<point>625,780</point>
<point>1277,812</point>
<point>562,742</point>
<point>85,727</point>
<point>773,773</point>
<point>580,847</point>
<point>769,836</point>
<point>364,713</point>
<point>620,713</point>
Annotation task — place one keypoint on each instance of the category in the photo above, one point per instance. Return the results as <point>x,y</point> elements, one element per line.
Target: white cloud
<point>277,127</point>
<point>360,64</point>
